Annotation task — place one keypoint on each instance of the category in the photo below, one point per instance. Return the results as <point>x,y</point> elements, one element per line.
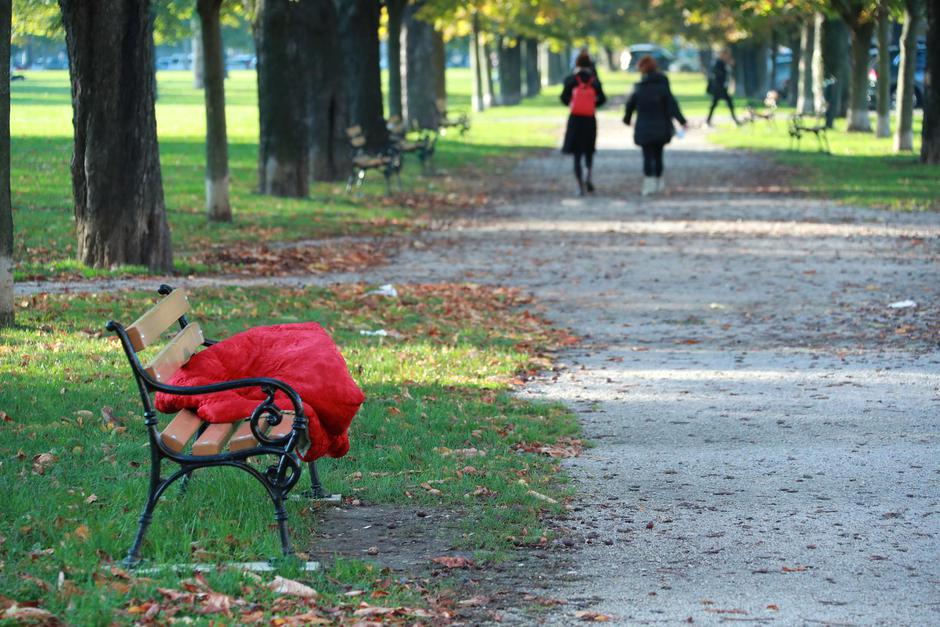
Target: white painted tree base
<point>333,498</point>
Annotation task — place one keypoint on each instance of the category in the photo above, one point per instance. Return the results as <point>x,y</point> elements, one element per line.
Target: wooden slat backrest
<point>358,142</point>
<point>158,319</point>
<point>354,131</point>
<point>183,346</point>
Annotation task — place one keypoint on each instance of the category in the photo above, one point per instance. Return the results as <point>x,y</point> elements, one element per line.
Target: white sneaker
<point>649,186</point>
<point>660,184</point>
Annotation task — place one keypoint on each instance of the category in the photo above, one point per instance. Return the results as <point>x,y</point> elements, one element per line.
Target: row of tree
<point>319,72</point>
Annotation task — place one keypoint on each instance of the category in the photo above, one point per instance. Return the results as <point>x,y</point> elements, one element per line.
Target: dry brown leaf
<point>454,561</point>
<point>281,585</point>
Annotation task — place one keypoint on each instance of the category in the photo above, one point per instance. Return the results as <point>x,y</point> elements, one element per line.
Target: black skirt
<point>581,135</point>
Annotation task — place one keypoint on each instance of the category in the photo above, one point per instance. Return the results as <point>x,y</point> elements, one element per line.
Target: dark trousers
<point>653,159</point>
<point>588,161</point>
<point>715,99</point>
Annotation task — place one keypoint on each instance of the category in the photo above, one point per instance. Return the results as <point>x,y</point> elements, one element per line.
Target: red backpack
<point>583,98</point>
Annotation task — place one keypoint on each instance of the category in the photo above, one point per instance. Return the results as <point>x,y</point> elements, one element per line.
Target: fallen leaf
<point>455,561</point>
<point>82,532</point>
<point>280,585</point>
<point>43,461</point>
<point>589,616</point>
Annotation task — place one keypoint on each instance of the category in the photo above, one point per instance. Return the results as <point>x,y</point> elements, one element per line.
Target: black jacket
<point>655,108</point>
<point>718,79</point>
<point>584,75</point>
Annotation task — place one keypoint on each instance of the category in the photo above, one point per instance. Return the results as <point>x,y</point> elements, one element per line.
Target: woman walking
<point>655,108</point>
<point>718,85</point>
<point>583,94</point>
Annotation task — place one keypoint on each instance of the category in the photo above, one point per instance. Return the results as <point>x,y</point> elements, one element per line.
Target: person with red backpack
<point>582,94</point>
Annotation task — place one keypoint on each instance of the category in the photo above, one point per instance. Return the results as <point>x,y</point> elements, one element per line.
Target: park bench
<point>423,146</point>
<point>189,442</point>
<point>768,113</point>
<point>387,161</point>
<point>799,127</point>
<point>445,121</point>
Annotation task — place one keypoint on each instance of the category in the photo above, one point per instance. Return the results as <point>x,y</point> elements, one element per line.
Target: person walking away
<point>718,85</point>
<point>582,93</point>
<point>655,109</point>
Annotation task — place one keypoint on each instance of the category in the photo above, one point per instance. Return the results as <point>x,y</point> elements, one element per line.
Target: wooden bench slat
<point>213,439</point>
<point>180,430</point>
<point>158,319</point>
<point>287,423</point>
<point>358,141</point>
<point>183,346</point>
<point>243,438</point>
<point>354,131</point>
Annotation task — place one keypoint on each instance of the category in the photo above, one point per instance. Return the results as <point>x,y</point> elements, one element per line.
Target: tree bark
<point>218,208</point>
<point>119,209</point>
<point>439,66</point>
<point>198,51</point>
<point>836,57</point>
<point>359,40</point>
<point>883,123</point>
<point>819,65</point>
<point>930,145</point>
<point>419,72</point>
<point>6,208</point>
<point>533,80</point>
<point>330,159</point>
<point>793,89</point>
<point>489,96</point>
<point>904,133</point>
<point>395,10</point>
<point>476,68</point>
<point>281,33</point>
<point>804,101</point>
<point>510,72</point>
<point>861,29</point>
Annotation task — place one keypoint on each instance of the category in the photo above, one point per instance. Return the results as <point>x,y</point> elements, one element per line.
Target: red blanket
<point>301,355</point>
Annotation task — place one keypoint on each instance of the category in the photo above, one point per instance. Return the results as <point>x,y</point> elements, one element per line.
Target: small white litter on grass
<point>376,333</point>
<point>384,290</point>
<point>903,304</point>
<point>255,567</point>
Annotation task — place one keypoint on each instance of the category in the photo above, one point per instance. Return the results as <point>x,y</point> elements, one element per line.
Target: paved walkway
<point>767,426</point>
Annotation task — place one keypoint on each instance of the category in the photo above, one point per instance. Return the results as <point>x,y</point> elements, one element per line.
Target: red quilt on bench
<point>301,355</point>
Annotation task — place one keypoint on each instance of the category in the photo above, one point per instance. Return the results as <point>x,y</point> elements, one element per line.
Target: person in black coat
<point>581,133</point>
<point>718,85</point>
<point>655,109</point>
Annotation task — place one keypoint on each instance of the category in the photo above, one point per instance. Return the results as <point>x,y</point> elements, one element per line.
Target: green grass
<point>862,169</point>
<point>435,389</point>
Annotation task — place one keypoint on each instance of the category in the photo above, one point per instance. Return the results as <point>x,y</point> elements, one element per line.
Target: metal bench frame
<point>278,478</point>
<point>797,129</point>
<point>424,146</point>
<point>388,161</point>
<point>461,122</point>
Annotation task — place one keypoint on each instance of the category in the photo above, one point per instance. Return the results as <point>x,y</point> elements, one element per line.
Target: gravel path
<point>766,425</point>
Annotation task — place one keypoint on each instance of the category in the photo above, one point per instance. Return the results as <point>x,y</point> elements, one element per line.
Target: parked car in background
<point>686,60</point>
<point>178,61</point>
<point>920,68</point>
<point>241,62</point>
<point>632,56</point>
<point>784,61</point>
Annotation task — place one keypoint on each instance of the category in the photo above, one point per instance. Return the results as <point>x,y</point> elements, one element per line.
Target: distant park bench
<point>799,126</point>
<point>387,161</point>
<point>191,443</point>
<point>445,121</point>
<point>768,113</point>
<point>423,146</point>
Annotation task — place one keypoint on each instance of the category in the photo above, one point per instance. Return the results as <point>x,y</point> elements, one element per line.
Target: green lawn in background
<point>438,430</point>
<point>862,170</point>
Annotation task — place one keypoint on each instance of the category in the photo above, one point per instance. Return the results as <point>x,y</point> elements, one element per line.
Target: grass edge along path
<point>440,429</point>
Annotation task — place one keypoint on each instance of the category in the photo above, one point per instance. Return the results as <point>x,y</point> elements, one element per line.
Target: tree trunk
<point>533,82</point>
<point>793,89</point>
<point>819,65</point>
<point>773,59</point>
<point>419,74</point>
<point>836,61</point>
<point>217,202</point>
<point>904,134</point>
<point>6,208</point>
<point>930,146</point>
<point>861,32</point>
<point>804,101</point>
<point>395,10</point>
<point>198,51</point>
<point>557,68</point>
<point>476,68</point>
<point>762,75</point>
<point>281,33</point>
<point>611,64</point>
<point>510,72</point>
<point>883,126</point>
<point>330,159</point>
<point>359,40</point>
<point>439,67</point>
<point>119,209</point>
<point>489,97</point>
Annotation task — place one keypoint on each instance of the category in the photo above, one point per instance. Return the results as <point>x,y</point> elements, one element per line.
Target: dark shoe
<point>590,187</point>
